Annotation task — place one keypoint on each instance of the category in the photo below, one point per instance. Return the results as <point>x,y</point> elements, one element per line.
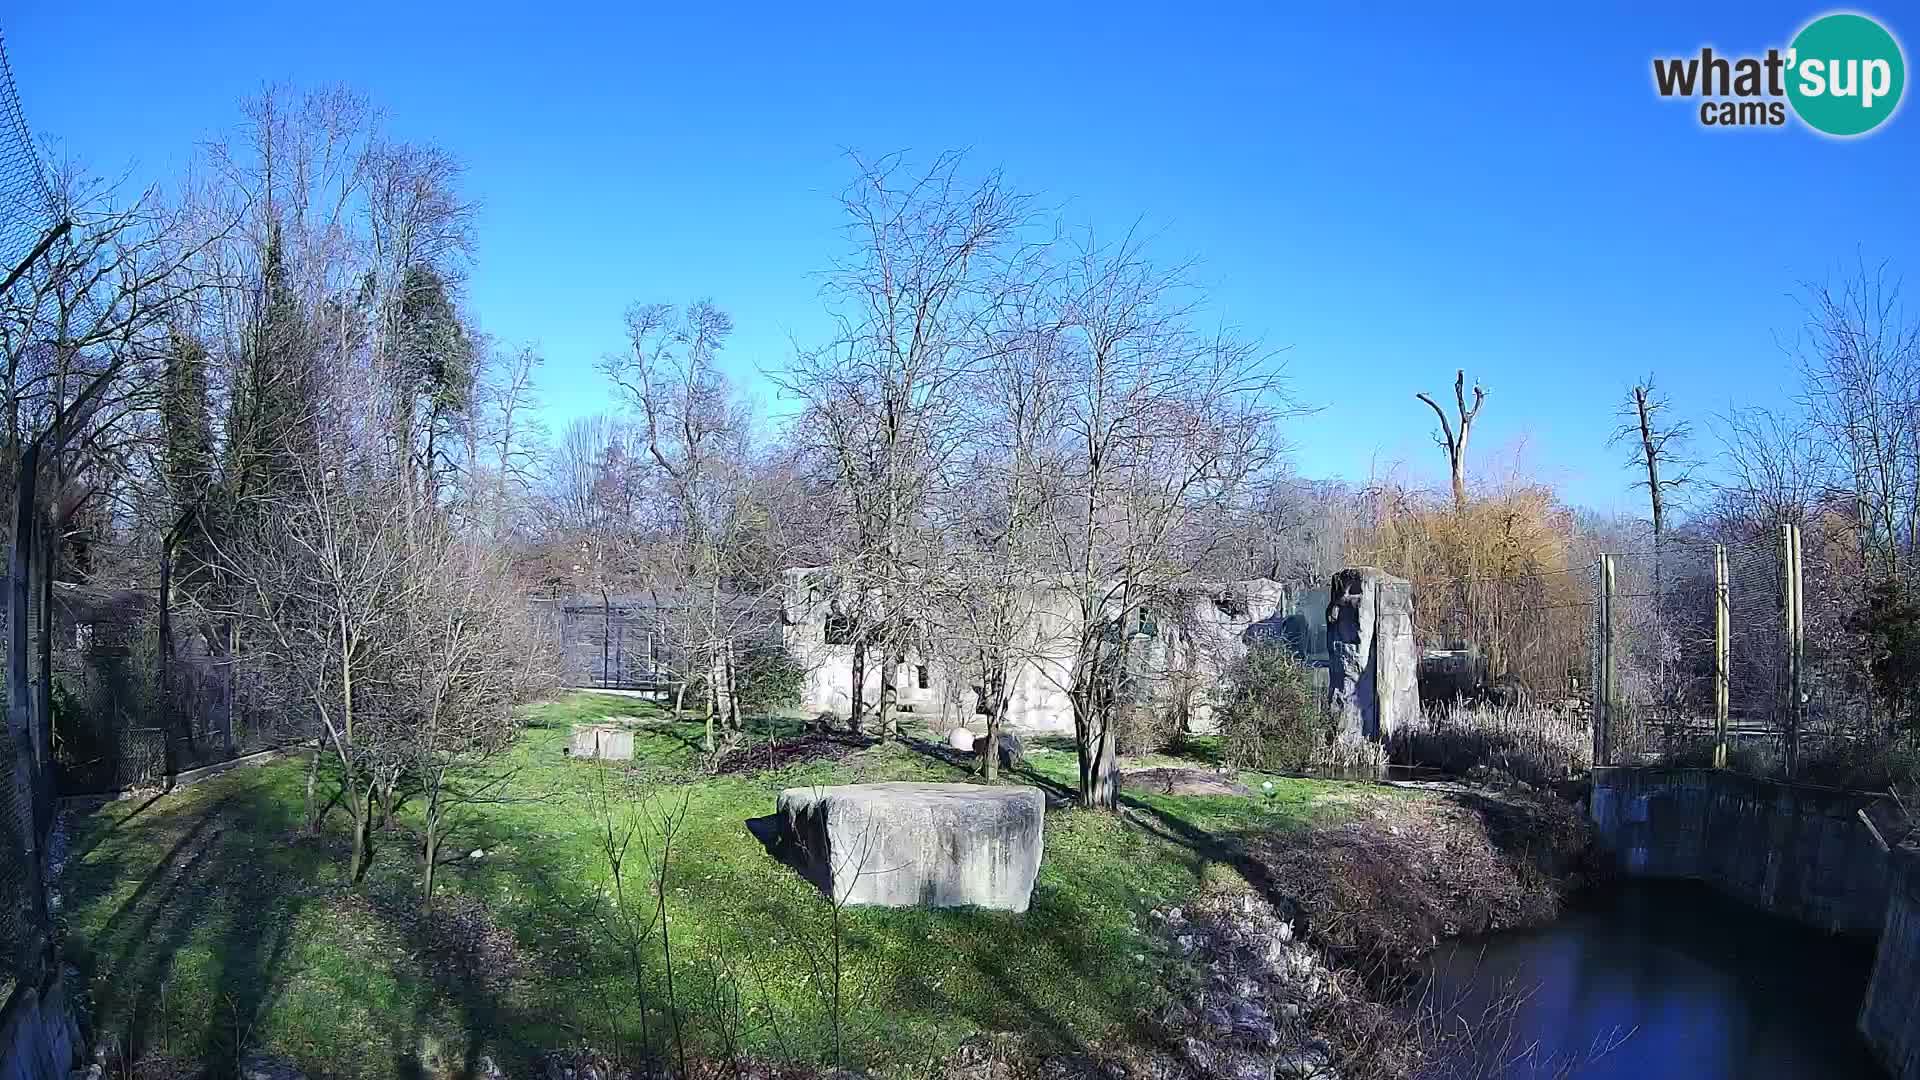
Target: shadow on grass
<point>209,887</point>
<point>470,963</point>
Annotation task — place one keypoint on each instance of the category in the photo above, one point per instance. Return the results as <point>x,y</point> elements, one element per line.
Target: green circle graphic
<point>1847,74</point>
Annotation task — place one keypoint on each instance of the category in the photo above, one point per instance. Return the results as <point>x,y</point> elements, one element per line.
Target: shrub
<point>1888,622</point>
<point>1145,727</point>
<point>1531,743</point>
<point>768,679</point>
<point>1270,718</point>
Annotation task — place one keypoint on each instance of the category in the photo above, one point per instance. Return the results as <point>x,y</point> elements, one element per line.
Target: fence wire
<point>27,215</point>
<point>1664,708</point>
<point>1663,702</point>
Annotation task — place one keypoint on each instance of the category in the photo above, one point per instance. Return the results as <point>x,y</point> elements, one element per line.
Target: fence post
<point>1721,655</point>
<point>1796,650</point>
<point>1603,680</point>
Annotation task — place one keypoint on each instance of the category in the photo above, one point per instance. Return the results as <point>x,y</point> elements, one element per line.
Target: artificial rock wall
<point>38,1037</point>
<point>1890,1017</point>
<point>1791,849</point>
<point>1372,663</point>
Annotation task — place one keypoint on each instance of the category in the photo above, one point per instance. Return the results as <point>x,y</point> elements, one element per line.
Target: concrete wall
<point>1790,849</point>
<point>1219,622</point>
<point>38,1037</point>
<point>1890,1018</point>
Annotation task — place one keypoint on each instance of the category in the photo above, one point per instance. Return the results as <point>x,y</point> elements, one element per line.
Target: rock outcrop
<point>1373,666</point>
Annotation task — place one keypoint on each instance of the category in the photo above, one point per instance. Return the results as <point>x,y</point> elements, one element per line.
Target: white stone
<point>925,845</point>
<point>605,741</point>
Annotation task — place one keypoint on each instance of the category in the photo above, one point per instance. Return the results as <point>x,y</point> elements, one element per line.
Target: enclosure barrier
<point>1704,661</point>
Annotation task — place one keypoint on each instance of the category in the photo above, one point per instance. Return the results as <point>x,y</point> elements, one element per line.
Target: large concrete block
<point>927,845</point>
<point>1373,669</point>
<point>604,741</point>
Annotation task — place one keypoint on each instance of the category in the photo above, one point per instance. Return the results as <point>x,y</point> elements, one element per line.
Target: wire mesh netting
<point>1503,674</point>
<point>1664,705</point>
<point>27,215</point>
<point>26,202</point>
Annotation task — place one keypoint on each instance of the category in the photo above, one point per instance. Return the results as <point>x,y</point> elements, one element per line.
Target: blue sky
<point>1389,194</point>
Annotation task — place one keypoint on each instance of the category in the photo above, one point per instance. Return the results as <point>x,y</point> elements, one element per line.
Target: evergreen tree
<point>273,420</point>
<point>435,362</point>
<point>187,425</point>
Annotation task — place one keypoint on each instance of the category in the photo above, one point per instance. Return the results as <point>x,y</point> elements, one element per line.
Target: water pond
<point>1651,980</point>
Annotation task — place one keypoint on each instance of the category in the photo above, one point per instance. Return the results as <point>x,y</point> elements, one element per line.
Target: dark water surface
<point>1654,980</point>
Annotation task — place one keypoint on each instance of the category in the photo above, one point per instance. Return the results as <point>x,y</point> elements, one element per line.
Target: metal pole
<point>1721,655</point>
<point>1603,681</point>
<point>1796,652</point>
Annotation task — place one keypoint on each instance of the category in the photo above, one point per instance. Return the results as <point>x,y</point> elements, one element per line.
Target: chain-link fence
<point>1661,642</point>
<point>123,720</point>
<point>1740,655</point>
<point>1503,674</point>
<point>28,222</point>
<point>619,643</point>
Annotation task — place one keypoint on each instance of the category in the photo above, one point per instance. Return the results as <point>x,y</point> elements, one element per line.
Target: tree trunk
<point>889,694</point>
<point>1098,747</point>
<point>859,696</point>
<point>313,783</point>
<point>163,656</point>
<point>26,774</point>
<point>706,739</point>
<point>362,809</point>
<point>389,781</point>
<point>1100,770</point>
<point>996,716</point>
<point>231,636</point>
<point>734,719</point>
<point>43,689</point>
<point>433,860</point>
<point>432,845</point>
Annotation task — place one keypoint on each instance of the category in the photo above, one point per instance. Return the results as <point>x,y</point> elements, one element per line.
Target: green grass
<point>207,922</point>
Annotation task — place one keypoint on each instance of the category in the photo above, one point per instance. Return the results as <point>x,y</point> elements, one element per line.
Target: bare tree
<point>83,330</point>
<point>1163,426</point>
<point>987,612</point>
<point>933,259</point>
<point>1772,472</point>
<point>1658,446</point>
<point>470,662</point>
<point>511,438</point>
<point>1860,365</point>
<point>695,432</point>
<point>1454,442</point>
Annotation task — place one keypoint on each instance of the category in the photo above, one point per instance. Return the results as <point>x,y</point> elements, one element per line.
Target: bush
<point>1530,743</point>
<point>1888,622</point>
<point>768,679</point>
<point>1145,727</point>
<point>1270,718</point>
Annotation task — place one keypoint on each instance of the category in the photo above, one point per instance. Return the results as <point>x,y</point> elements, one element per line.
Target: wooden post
<point>1796,651</point>
<point>1721,656</point>
<point>1603,679</point>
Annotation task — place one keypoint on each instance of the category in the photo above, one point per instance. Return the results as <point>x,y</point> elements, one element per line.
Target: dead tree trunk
<point>1455,443</point>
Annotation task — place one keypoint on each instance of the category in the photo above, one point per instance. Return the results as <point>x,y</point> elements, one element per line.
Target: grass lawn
<point>206,922</point>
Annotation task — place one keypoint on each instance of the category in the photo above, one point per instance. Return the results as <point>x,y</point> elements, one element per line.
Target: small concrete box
<point>917,845</point>
<point>603,741</point>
